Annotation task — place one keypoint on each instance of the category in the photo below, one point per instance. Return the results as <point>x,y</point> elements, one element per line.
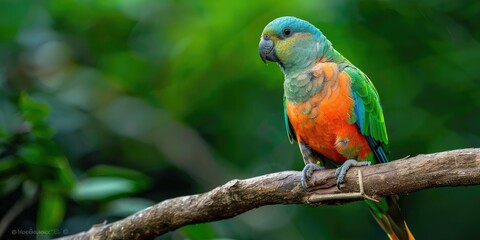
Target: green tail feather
<point>388,215</point>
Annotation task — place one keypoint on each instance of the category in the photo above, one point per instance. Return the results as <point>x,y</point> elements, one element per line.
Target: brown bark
<point>452,168</point>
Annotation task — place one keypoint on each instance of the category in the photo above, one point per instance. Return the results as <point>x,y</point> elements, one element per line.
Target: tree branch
<point>452,168</point>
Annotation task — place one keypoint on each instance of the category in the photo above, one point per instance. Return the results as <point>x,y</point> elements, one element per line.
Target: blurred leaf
<point>140,180</point>
<point>43,166</point>
<point>36,112</point>
<point>198,231</point>
<point>50,211</point>
<point>3,134</point>
<point>102,188</point>
<point>127,206</point>
<point>42,130</point>
<point>10,184</point>
<point>8,165</point>
<point>32,110</point>
<point>11,175</point>
<point>125,68</point>
<point>39,166</point>
<point>32,153</point>
<point>66,177</point>
<point>12,16</point>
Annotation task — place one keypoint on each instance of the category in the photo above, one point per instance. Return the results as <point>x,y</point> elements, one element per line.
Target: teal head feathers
<point>293,43</point>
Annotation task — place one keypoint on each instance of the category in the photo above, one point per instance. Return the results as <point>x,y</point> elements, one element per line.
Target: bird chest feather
<point>323,119</point>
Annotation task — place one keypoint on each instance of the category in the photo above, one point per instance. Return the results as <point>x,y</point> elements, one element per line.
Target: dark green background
<point>149,100</point>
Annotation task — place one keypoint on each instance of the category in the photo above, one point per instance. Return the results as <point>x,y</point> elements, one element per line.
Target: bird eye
<point>287,31</point>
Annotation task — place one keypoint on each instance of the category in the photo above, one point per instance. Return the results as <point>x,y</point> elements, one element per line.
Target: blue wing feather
<point>368,114</point>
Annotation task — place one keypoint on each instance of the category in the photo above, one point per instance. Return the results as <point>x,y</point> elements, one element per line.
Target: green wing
<point>288,125</point>
<point>368,113</point>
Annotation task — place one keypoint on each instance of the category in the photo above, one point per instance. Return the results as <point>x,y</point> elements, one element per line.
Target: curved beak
<point>266,49</point>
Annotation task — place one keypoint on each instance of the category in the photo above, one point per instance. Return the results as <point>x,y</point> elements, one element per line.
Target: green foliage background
<point>107,107</point>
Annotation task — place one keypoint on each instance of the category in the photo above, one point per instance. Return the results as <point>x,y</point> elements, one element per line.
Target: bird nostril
<point>266,37</point>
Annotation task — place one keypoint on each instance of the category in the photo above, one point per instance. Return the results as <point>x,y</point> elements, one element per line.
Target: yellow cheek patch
<point>283,46</point>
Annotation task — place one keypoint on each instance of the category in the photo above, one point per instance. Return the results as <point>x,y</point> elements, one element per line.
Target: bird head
<point>292,43</point>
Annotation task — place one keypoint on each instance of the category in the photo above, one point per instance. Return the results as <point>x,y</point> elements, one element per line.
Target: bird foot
<point>342,170</point>
<point>307,173</point>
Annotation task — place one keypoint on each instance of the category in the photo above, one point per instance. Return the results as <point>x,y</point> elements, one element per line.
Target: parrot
<point>331,109</point>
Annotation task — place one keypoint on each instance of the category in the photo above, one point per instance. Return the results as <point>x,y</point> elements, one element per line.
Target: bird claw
<point>342,170</point>
<point>307,173</point>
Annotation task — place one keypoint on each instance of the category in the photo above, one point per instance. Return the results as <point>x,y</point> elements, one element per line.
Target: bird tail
<point>388,215</point>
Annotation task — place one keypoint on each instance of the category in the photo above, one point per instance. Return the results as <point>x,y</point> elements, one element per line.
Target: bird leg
<point>312,161</point>
<point>342,170</point>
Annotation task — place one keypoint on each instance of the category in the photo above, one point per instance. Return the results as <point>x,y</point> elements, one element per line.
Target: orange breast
<point>323,121</point>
